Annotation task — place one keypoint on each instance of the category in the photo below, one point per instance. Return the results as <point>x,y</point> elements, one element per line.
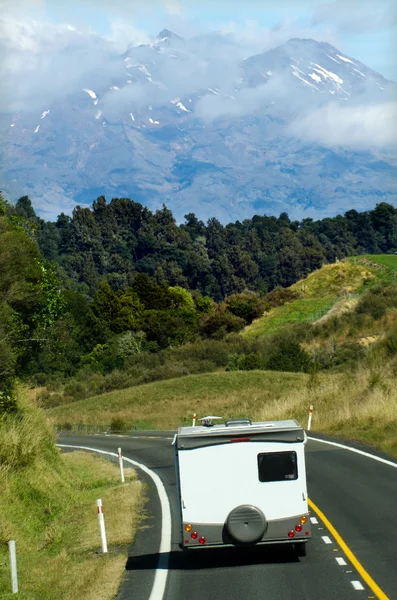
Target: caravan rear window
<point>277,466</point>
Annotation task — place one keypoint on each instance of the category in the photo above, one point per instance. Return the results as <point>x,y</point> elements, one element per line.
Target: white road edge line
<point>160,578</point>
<point>341,561</point>
<point>357,585</point>
<point>367,454</point>
<point>313,520</point>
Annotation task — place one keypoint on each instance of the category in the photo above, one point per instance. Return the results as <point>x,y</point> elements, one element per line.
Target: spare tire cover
<point>246,523</point>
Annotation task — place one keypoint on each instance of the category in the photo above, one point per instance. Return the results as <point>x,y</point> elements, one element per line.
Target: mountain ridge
<point>170,125</point>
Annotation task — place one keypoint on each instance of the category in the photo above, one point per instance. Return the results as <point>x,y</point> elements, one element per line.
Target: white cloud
<point>124,35</point>
<point>355,16</point>
<point>355,127</point>
<point>173,7</point>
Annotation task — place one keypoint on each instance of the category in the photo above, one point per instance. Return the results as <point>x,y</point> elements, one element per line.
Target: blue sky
<point>363,29</point>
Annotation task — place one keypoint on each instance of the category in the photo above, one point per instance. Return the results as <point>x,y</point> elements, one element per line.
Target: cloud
<point>355,16</point>
<point>173,7</point>
<point>355,127</point>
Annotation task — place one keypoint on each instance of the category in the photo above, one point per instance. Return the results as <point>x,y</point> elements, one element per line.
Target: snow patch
<point>114,87</point>
<point>345,59</point>
<point>328,74</point>
<point>91,93</point>
<point>154,122</point>
<point>150,107</point>
<point>270,73</point>
<point>37,128</point>
<point>45,113</point>
<point>315,77</point>
<point>296,74</point>
<point>213,91</point>
<point>132,116</point>
<point>129,80</point>
<point>182,106</point>
<point>359,72</point>
<point>12,125</point>
<point>98,114</point>
<point>334,59</point>
<point>144,70</point>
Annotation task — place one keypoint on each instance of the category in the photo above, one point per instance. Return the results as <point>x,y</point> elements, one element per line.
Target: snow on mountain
<point>296,129</point>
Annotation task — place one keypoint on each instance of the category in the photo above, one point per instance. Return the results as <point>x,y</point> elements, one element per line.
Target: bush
<point>278,297</point>
<point>250,362</point>
<point>246,305</point>
<point>289,357</point>
<point>220,322</point>
<point>118,424</point>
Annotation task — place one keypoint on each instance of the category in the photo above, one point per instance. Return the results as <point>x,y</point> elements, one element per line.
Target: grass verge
<point>359,405</point>
<point>48,505</point>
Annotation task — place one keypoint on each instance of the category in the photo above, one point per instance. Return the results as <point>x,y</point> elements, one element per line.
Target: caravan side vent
<point>238,422</point>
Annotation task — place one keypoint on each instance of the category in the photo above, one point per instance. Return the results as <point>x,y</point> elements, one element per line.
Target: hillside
<point>48,506</point>
<point>331,290</point>
<point>343,362</point>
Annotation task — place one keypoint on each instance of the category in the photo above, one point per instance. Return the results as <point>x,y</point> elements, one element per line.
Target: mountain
<point>189,124</point>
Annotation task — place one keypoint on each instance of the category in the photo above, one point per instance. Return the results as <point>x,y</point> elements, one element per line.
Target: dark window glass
<point>277,466</point>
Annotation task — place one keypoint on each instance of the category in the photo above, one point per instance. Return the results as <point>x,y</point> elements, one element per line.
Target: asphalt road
<point>358,495</point>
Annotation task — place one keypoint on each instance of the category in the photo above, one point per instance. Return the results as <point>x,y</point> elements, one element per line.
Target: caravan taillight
<point>194,535</point>
<point>291,534</point>
<point>188,528</point>
<point>298,528</point>
<point>245,439</point>
<point>202,540</point>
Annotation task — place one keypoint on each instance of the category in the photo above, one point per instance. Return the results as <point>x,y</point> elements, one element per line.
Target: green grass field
<point>387,260</point>
<point>298,311</point>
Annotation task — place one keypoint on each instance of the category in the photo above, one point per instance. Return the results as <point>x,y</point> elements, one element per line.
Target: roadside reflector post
<point>309,421</point>
<point>121,465</point>
<point>194,420</point>
<point>101,520</point>
<point>13,566</point>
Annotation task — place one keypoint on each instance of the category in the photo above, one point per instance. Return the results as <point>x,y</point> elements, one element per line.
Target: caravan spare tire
<point>246,524</point>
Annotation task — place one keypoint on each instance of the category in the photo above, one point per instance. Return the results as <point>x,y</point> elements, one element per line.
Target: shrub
<point>250,362</point>
<point>233,362</point>
<point>289,357</point>
<point>220,322</point>
<point>118,424</point>
<point>279,296</point>
<point>76,390</point>
<point>246,305</point>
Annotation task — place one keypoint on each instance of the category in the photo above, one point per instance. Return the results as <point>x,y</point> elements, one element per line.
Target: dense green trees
<point>114,281</point>
<point>29,296</point>
<point>119,239</point>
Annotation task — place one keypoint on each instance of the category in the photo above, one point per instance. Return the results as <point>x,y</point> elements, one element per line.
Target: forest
<point>117,285</point>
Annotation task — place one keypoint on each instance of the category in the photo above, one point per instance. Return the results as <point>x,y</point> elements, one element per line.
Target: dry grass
<point>167,404</point>
<point>50,510</point>
<point>360,405</point>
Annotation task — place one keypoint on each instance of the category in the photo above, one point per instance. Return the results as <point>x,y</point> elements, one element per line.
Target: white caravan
<point>242,483</point>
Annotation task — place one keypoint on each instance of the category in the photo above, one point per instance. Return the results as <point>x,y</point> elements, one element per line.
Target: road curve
<point>356,493</point>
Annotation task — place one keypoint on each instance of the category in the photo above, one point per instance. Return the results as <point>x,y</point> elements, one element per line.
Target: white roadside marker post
<point>309,421</point>
<point>121,465</point>
<point>13,566</point>
<point>194,420</point>
<point>101,520</point>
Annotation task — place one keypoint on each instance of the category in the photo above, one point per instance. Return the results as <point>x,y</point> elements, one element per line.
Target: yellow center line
<point>355,562</point>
